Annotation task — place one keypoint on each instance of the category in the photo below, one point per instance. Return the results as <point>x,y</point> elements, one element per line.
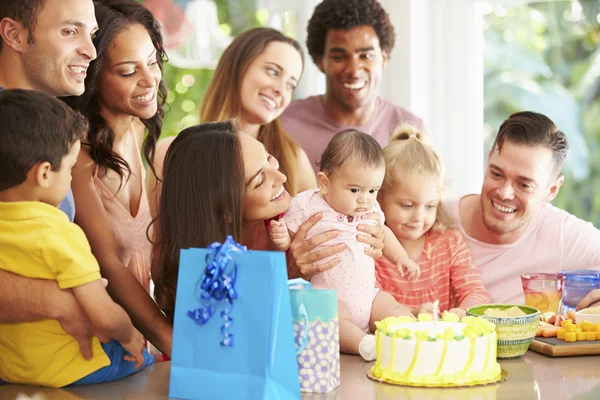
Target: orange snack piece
<point>550,331</point>
<point>570,337</point>
<point>571,315</point>
<point>590,335</point>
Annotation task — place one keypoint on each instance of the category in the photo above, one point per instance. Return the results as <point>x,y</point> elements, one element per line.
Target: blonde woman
<point>254,82</point>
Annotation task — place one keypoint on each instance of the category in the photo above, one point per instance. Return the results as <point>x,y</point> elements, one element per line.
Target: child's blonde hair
<point>409,153</point>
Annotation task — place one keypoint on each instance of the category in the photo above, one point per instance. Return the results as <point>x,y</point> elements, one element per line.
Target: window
<point>197,31</point>
<point>545,57</point>
<point>465,65</point>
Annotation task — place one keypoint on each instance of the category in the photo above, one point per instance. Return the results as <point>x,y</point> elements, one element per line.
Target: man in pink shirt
<point>350,41</point>
<point>510,227</point>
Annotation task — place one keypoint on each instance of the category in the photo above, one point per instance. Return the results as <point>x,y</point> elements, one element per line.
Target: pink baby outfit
<point>130,232</point>
<point>354,276</point>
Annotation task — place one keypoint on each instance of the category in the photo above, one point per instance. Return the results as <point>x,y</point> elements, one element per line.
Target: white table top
<point>531,377</point>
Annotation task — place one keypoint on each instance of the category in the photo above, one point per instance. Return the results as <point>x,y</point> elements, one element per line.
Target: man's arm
<point>580,243</point>
<point>28,300</point>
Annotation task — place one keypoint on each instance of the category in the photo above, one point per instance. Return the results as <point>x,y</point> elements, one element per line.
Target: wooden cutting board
<point>559,348</point>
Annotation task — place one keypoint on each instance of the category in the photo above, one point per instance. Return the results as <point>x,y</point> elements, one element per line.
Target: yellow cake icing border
<point>476,327</point>
<point>503,376</point>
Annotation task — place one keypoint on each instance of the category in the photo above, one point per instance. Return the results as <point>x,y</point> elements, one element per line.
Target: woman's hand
<point>591,299</point>
<point>372,236</point>
<point>301,257</point>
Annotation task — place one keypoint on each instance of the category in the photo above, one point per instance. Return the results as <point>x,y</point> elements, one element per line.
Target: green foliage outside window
<point>187,86</point>
<point>545,57</point>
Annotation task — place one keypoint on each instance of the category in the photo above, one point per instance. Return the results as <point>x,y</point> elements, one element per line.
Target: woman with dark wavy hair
<point>123,100</point>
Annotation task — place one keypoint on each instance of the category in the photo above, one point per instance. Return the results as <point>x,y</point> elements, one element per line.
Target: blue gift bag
<point>316,332</point>
<point>246,349</point>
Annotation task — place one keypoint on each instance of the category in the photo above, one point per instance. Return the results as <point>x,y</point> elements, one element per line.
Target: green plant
<point>545,57</point>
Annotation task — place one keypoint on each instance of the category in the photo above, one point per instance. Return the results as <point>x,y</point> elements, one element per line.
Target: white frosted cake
<point>427,353</point>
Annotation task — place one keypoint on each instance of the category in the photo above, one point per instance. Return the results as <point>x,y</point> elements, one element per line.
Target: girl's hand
<point>412,269</point>
<point>279,235</point>
<point>135,348</point>
<point>460,312</point>
<point>425,308</point>
<point>302,258</point>
<point>373,236</point>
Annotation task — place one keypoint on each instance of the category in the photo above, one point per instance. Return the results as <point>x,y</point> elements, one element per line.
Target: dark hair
<point>351,144</point>
<point>529,128</point>
<point>114,17</point>
<point>34,128</point>
<point>345,15</point>
<point>201,199</point>
<point>23,11</point>
<point>222,98</point>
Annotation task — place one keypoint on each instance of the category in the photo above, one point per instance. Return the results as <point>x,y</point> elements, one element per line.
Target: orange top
<point>447,275</point>
<point>130,231</point>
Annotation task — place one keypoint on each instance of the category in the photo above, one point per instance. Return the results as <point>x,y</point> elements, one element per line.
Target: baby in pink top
<point>352,171</point>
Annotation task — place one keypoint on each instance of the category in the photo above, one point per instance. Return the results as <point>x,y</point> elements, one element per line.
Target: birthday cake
<point>442,353</point>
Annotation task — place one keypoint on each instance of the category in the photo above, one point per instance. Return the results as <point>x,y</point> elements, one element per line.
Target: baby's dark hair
<point>351,144</point>
<point>34,128</point>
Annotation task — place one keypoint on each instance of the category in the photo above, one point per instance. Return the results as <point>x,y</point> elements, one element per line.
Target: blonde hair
<point>409,153</point>
<point>222,99</point>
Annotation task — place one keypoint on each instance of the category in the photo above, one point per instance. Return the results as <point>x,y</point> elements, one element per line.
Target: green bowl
<point>515,334</point>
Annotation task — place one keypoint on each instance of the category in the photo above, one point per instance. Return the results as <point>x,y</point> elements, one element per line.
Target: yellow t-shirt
<point>38,241</point>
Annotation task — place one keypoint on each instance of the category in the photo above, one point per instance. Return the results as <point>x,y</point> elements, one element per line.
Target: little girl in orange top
<point>410,199</point>
<point>352,170</point>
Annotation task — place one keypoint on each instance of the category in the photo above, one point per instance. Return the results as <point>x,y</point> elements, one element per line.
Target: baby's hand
<point>279,235</point>
<point>412,269</point>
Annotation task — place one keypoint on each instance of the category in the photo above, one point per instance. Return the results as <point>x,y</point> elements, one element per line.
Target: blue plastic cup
<point>578,283</point>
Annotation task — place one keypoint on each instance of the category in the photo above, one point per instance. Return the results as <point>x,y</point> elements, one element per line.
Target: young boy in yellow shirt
<point>39,143</point>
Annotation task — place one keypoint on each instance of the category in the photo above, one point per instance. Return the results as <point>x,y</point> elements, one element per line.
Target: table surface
<point>531,377</point>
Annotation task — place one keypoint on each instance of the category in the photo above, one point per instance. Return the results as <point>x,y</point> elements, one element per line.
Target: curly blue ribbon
<point>217,286</point>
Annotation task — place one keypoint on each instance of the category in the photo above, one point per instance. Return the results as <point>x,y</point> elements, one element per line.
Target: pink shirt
<point>308,123</point>
<point>447,275</point>
<point>131,232</point>
<point>354,276</point>
<point>554,240</point>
